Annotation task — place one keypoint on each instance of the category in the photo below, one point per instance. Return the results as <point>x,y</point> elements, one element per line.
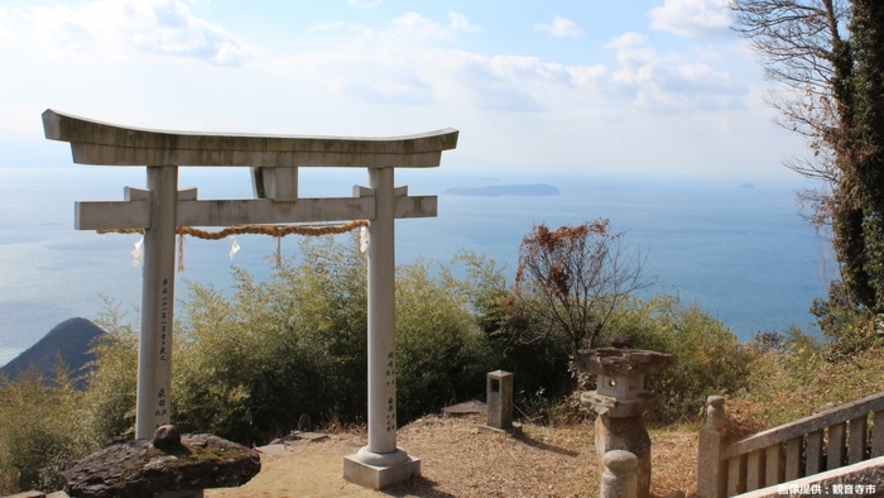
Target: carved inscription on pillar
<point>165,312</point>
<point>390,374</point>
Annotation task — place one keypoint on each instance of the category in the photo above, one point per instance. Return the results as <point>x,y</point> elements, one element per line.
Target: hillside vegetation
<point>288,353</point>
<point>70,338</point>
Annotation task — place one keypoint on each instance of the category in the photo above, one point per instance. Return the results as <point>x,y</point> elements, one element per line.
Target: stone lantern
<point>620,400</point>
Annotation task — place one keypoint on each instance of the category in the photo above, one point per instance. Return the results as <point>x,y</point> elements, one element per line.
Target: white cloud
<point>115,28</point>
<point>408,63</point>
<point>412,27</point>
<point>668,84</point>
<point>365,4</point>
<point>560,27</point>
<point>627,40</point>
<point>401,66</point>
<point>459,22</point>
<point>693,18</point>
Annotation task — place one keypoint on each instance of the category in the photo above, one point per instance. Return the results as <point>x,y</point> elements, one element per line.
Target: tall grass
<point>44,430</point>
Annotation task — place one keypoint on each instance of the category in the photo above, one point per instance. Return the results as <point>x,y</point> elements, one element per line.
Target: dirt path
<point>460,460</point>
<point>308,470</point>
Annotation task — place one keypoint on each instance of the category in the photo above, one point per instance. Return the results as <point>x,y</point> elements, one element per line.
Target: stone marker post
<point>500,400</point>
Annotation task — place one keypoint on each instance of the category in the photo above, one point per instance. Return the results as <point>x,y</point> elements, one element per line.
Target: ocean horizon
<point>744,255</point>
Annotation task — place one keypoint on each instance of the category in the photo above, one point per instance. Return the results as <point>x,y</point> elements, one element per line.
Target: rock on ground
<point>139,469</point>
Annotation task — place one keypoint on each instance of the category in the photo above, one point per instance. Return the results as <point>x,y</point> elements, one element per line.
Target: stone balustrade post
<point>620,478</point>
<point>711,471</point>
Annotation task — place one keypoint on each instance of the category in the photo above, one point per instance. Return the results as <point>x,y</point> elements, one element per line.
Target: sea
<point>737,247</point>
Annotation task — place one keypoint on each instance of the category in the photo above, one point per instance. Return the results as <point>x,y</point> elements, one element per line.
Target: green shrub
<point>849,327</point>
<point>267,357</point>
<point>709,360</point>
<point>275,353</point>
<point>782,369</point>
<point>44,430</point>
<point>441,353</point>
<point>540,365</point>
<point>112,380</point>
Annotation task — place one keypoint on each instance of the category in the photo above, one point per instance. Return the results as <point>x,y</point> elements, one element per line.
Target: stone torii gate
<point>274,160</point>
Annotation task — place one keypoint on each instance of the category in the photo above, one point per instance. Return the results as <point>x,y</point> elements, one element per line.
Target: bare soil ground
<point>460,460</point>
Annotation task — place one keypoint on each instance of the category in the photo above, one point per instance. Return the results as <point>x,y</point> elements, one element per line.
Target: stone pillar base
<point>377,477</point>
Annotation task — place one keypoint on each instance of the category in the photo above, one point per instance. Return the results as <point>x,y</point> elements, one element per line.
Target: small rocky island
<point>537,189</point>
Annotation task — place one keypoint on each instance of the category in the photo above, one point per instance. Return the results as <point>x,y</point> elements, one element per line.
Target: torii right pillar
<point>381,463</point>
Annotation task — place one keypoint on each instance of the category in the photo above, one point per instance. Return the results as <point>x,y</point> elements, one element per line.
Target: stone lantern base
<point>620,426</point>
<point>629,434</point>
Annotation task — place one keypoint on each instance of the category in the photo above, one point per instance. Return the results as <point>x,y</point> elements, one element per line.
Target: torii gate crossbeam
<point>274,160</point>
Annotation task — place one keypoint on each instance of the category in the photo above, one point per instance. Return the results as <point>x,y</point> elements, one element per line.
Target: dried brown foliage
<point>571,279</point>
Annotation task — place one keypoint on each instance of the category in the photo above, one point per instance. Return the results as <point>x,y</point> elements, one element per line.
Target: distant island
<point>747,186</point>
<point>536,189</point>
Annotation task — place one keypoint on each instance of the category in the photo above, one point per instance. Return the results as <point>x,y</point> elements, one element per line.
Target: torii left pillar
<point>274,160</point>
<point>157,303</point>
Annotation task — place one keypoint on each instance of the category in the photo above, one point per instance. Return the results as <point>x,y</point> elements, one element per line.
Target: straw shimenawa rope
<point>274,230</point>
<point>277,231</point>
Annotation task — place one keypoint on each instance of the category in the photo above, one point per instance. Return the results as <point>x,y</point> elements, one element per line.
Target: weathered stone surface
<point>138,469</point>
<point>627,434</point>
<point>94,142</point>
<point>273,449</point>
<point>621,341</point>
<point>379,477</point>
<point>465,408</point>
<point>607,405</point>
<point>869,474</point>
<point>296,438</point>
<point>711,471</point>
<point>38,494</point>
<point>619,476</point>
<point>622,362</point>
<point>675,494</point>
<point>500,399</point>
<point>309,436</point>
<point>166,437</point>
<point>28,494</point>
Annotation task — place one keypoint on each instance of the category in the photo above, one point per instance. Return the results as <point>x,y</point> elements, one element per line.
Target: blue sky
<point>640,87</point>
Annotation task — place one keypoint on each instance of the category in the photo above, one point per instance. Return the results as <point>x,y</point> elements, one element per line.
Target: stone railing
<point>825,441</point>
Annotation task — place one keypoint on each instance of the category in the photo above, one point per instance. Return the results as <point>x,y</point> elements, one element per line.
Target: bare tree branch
<point>802,45</point>
<point>574,277</point>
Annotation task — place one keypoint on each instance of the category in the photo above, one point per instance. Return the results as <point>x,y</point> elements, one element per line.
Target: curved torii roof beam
<point>94,142</point>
